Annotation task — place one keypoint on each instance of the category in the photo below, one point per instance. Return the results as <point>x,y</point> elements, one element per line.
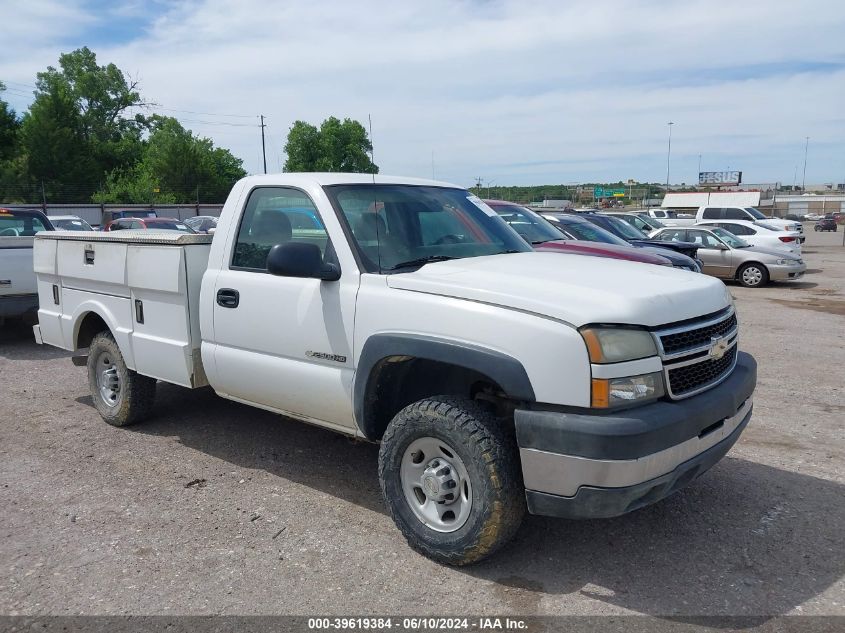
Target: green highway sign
<point>601,192</point>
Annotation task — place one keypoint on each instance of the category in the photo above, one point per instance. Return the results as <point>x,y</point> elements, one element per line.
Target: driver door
<point>284,343</point>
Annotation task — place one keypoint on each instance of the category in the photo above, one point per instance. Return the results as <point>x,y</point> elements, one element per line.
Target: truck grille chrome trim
<point>698,355</point>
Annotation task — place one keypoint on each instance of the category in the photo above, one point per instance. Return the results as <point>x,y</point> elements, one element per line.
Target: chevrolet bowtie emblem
<point>718,347</point>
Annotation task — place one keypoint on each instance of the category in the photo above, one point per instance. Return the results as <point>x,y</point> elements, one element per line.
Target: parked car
<point>202,223</point>
<point>795,217</point>
<point>69,223</point>
<point>826,224</point>
<point>636,237</point>
<point>726,256</point>
<point>813,217</point>
<point>760,234</point>
<point>642,223</point>
<point>110,215</point>
<point>735,213</point>
<point>18,291</point>
<point>576,227</point>
<point>543,236</point>
<point>496,381</point>
<point>150,224</point>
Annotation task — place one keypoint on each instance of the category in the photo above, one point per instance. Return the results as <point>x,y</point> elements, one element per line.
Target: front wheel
<point>753,275</point>
<point>450,476</point>
<point>120,395</point>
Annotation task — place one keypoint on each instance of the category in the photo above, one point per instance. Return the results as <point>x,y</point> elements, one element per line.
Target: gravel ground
<point>216,508</point>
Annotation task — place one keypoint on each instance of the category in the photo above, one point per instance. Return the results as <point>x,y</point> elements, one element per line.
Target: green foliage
<point>337,146</point>
<point>9,126</point>
<point>75,131</point>
<point>78,142</point>
<point>181,166</point>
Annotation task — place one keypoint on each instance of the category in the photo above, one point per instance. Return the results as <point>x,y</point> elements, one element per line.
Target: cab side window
<point>711,213</point>
<point>277,215</point>
<point>735,214</point>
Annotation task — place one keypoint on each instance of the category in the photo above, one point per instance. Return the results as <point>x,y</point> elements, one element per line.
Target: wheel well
<point>397,381</point>
<point>746,264</point>
<point>91,325</point>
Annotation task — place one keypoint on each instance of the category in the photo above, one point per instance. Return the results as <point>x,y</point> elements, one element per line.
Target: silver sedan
<point>726,256</point>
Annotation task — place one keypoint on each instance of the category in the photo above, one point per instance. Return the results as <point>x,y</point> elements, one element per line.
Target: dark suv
<point>826,224</point>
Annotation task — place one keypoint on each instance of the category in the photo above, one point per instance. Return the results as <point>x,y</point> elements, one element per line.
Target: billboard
<point>719,177</point>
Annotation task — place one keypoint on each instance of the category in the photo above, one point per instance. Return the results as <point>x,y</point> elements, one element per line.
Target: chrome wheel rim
<point>752,276</point>
<point>108,380</point>
<point>436,484</point>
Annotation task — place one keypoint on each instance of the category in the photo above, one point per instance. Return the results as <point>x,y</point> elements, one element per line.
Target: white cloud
<point>514,91</point>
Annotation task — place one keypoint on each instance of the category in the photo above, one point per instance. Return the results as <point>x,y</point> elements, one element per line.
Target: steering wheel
<point>13,232</point>
<point>451,238</point>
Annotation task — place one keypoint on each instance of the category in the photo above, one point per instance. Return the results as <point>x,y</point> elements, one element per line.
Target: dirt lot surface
<point>216,508</point>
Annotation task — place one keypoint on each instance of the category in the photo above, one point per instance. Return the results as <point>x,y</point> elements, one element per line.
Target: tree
<point>338,146</point>
<point>181,166</point>
<point>76,130</point>
<point>9,126</point>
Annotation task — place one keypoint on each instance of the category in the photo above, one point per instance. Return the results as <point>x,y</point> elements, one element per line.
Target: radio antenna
<point>375,200</point>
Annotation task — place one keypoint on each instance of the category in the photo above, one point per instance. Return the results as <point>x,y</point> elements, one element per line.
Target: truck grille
<point>690,339</point>
<point>688,352</point>
<point>692,378</point>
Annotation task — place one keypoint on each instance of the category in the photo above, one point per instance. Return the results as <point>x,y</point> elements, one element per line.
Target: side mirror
<point>721,247</point>
<point>300,259</point>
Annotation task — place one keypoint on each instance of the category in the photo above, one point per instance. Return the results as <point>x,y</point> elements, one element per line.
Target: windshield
<point>590,233</point>
<point>618,227</point>
<point>14,224</point>
<point>729,238</point>
<point>754,212</point>
<point>530,226</point>
<point>169,225</point>
<point>72,224</point>
<point>399,227</point>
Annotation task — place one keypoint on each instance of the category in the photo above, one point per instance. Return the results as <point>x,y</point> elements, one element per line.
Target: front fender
<point>504,370</point>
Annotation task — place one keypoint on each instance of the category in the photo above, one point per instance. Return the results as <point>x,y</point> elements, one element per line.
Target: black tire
<point>488,449</point>
<point>136,392</point>
<point>818,228</point>
<point>760,280</point>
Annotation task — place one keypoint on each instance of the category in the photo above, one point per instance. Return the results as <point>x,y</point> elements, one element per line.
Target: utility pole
<point>263,148</point>
<point>669,155</point>
<point>804,177</point>
<point>43,198</point>
<point>699,167</point>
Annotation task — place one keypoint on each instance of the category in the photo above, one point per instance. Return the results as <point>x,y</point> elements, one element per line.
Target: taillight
<point>786,239</point>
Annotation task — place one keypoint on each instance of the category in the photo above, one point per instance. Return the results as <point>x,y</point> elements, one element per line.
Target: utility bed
<point>147,283</point>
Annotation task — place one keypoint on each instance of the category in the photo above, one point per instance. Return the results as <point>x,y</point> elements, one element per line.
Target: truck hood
<point>572,288</point>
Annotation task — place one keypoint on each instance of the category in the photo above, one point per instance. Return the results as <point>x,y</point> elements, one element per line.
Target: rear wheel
<point>120,395</point>
<point>450,476</point>
<point>753,275</point>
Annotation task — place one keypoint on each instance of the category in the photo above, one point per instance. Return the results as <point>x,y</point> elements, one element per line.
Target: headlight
<point>787,262</point>
<point>614,392</point>
<point>614,345</point>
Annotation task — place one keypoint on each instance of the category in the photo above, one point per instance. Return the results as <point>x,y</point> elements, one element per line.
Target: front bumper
<point>786,273</point>
<point>596,466</point>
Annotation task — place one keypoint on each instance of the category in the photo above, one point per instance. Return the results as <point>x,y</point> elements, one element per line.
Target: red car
<point>157,224</point>
<point>543,236</point>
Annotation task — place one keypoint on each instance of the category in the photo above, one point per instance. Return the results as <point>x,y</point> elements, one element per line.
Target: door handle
<point>228,298</point>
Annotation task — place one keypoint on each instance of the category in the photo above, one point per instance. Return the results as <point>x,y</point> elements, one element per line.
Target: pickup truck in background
<point>18,293</point>
<point>734,213</point>
<point>497,379</point>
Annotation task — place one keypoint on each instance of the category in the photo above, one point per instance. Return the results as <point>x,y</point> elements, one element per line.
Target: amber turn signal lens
<point>600,398</point>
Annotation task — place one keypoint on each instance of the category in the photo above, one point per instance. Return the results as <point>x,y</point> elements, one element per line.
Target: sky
<point>514,92</point>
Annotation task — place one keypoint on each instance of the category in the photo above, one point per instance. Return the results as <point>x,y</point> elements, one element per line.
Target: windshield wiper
<point>419,261</point>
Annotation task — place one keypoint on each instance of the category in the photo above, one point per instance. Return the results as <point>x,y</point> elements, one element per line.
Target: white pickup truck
<point>18,295</point>
<point>406,312</point>
<point>714,212</point>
